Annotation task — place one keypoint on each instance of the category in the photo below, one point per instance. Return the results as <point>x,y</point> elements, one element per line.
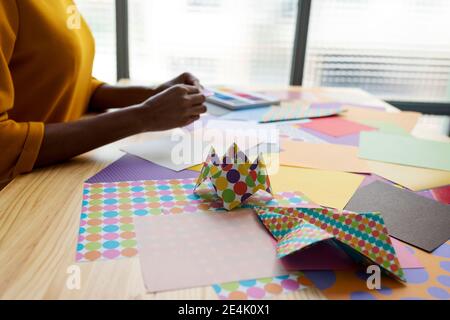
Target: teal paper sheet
<point>405,150</point>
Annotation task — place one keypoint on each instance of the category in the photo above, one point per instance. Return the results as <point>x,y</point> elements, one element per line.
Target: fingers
<point>183,88</point>
<point>198,85</point>
<point>198,110</point>
<point>190,79</point>
<point>192,89</point>
<point>193,119</point>
<point>188,98</point>
<point>184,79</point>
<point>197,99</point>
<point>192,95</point>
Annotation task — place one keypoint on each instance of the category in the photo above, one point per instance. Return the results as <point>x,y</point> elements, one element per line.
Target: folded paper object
<point>235,179</point>
<point>363,236</point>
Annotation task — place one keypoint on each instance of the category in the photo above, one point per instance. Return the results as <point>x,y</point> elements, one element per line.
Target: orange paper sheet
<point>322,156</point>
<point>405,120</point>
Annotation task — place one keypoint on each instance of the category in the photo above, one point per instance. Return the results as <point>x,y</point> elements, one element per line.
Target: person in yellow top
<point>46,86</point>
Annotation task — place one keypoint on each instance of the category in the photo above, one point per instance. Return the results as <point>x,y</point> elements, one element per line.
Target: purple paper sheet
<point>350,140</point>
<point>427,194</point>
<point>326,106</point>
<point>131,168</point>
<point>370,178</point>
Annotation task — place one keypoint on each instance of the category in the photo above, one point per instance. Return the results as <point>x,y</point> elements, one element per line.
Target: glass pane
<point>101,17</point>
<point>240,42</point>
<point>398,50</point>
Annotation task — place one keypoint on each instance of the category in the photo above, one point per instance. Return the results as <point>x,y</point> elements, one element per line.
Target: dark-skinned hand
<point>175,107</point>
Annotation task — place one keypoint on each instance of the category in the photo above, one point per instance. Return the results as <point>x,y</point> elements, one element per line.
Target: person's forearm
<point>63,141</point>
<point>114,97</point>
<point>175,107</point>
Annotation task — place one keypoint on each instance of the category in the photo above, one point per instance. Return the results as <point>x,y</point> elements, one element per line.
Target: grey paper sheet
<point>419,221</point>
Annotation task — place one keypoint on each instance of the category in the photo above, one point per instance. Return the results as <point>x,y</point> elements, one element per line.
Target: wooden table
<point>39,221</point>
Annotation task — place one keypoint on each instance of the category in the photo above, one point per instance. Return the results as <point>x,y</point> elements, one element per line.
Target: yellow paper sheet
<point>327,188</point>
<point>413,178</point>
<point>322,156</point>
<point>405,120</point>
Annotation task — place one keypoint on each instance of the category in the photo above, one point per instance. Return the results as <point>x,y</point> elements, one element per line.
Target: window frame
<point>298,55</point>
<point>122,40</point>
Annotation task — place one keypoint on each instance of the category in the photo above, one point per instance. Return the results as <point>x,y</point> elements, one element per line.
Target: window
<point>397,50</point>
<point>101,17</point>
<point>240,42</point>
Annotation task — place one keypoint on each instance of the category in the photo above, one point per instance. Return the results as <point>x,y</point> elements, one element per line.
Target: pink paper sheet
<point>336,127</point>
<point>204,248</point>
<point>442,194</point>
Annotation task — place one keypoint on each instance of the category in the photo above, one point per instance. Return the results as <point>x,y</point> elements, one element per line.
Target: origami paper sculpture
<point>236,179</point>
<point>361,235</point>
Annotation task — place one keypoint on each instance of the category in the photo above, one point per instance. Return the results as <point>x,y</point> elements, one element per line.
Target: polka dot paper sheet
<point>429,283</point>
<point>265,288</point>
<point>107,226</point>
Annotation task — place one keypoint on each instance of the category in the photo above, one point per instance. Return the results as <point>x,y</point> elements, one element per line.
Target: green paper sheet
<point>405,150</point>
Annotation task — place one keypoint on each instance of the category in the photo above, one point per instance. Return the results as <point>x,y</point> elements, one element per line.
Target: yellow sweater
<point>46,57</point>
